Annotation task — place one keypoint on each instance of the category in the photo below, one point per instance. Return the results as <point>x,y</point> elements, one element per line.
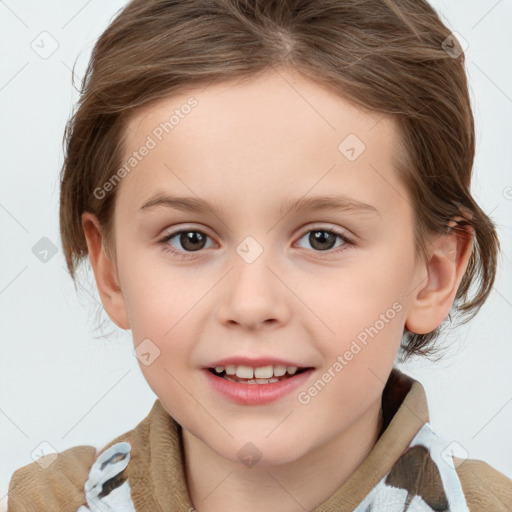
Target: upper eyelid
<point>305,229</point>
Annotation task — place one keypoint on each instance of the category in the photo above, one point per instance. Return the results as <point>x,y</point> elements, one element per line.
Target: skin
<point>247,147</point>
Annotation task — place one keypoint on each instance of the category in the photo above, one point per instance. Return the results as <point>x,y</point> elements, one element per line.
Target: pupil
<point>188,238</point>
<point>324,238</point>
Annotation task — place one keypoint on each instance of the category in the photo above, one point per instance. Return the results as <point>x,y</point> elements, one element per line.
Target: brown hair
<point>389,56</point>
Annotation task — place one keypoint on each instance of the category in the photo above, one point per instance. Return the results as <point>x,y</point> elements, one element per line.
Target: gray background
<point>62,384</point>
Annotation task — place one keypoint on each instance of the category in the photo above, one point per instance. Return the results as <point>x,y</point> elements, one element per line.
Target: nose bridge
<point>254,294</point>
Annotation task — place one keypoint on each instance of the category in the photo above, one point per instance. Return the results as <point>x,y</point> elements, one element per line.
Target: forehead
<point>267,137</point>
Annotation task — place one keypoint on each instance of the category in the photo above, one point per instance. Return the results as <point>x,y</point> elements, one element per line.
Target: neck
<point>215,483</point>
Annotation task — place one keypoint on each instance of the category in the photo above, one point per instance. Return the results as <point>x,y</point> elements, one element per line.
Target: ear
<point>105,272</point>
<point>447,262</point>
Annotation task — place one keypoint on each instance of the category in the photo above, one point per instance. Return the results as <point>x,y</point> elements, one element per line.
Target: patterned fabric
<point>107,488</point>
<point>423,479</point>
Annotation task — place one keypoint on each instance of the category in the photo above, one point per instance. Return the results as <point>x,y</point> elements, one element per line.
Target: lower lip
<point>256,394</point>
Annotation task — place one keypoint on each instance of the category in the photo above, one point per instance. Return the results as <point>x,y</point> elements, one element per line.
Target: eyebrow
<point>318,203</point>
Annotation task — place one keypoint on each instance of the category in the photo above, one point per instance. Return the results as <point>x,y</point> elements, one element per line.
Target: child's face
<point>255,282</point>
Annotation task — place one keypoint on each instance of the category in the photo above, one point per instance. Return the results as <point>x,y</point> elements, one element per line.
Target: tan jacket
<point>156,473</point>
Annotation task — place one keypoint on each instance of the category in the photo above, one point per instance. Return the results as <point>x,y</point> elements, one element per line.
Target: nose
<point>254,296</point>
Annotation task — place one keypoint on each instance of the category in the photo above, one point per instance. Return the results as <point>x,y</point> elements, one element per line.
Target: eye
<point>322,240</point>
<point>191,240</point>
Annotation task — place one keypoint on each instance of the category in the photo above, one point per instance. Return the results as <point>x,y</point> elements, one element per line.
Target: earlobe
<point>105,272</point>
<point>448,260</point>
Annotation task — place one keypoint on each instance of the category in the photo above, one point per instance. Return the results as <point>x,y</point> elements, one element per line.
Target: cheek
<point>162,305</point>
<point>163,319</point>
<point>157,295</point>
<point>357,297</point>
<point>364,307</point>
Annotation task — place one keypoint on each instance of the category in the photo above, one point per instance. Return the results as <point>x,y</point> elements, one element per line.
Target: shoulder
<point>51,482</point>
<point>484,487</point>
<point>57,481</point>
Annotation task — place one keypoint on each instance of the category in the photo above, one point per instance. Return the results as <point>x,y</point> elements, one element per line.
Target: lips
<point>256,391</point>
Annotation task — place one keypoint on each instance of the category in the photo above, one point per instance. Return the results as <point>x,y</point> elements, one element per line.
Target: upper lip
<point>257,362</point>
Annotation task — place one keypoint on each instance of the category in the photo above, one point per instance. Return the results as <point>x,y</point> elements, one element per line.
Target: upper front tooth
<point>244,372</point>
<point>279,371</point>
<point>264,372</point>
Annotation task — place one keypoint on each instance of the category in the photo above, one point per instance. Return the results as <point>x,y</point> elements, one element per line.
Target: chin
<point>260,452</point>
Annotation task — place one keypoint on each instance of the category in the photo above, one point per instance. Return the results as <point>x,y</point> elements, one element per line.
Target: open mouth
<point>277,374</point>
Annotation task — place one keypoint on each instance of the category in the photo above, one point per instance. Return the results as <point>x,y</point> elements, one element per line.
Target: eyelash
<point>184,254</point>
